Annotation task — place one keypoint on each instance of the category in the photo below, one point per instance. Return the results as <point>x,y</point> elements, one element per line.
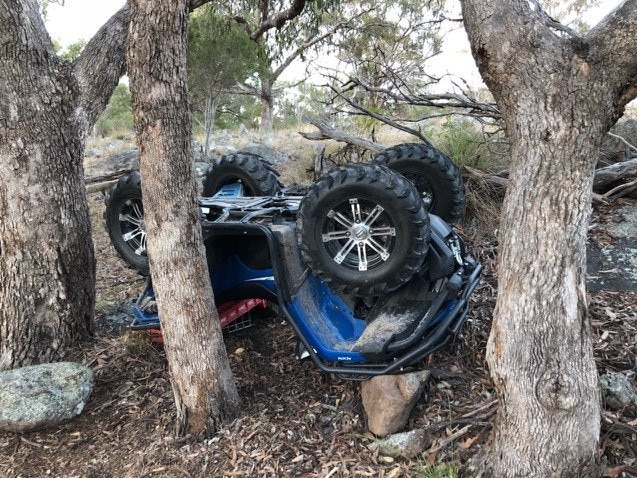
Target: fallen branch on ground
<point>102,182</point>
<point>325,131</point>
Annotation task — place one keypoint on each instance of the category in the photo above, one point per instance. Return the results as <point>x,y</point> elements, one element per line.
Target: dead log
<point>606,176</point>
<point>96,187</point>
<point>107,177</point>
<point>326,131</point>
<point>104,181</point>
<point>493,179</point>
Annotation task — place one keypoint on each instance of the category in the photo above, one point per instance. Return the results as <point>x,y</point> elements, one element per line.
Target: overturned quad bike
<point>365,265</point>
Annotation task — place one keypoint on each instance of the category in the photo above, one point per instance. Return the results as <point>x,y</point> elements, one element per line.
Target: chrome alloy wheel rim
<point>359,234</point>
<point>131,219</point>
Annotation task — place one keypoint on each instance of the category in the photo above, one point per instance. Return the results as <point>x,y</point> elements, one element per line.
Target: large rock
<point>389,399</point>
<point>41,396</point>
<point>407,445</point>
<point>617,391</point>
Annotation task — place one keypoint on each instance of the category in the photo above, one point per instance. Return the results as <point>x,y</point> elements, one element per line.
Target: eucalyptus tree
<point>48,107</point>
<point>203,385</point>
<point>559,92</point>
<point>280,48</point>
<point>220,55</point>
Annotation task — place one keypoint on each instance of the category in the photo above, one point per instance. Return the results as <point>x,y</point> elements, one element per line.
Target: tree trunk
<point>558,95</point>
<point>47,266</point>
<point>548,424</point>
<point>210,116</point>
<point>203,385</point>
<point>267,108</point>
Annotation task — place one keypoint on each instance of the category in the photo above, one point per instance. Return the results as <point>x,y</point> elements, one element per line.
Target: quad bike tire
<point>435,176</point>
<point>124,201</point>
<point>124,217</point>
<point>258,177</point>
<point>363,229</point>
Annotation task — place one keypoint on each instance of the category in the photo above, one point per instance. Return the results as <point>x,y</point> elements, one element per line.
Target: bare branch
<point>621,190</point>
<point>404,95</point>
<point>274,22</point>
<point>623,140</point>
<point>462,104</point>
<point>382,118</point>
<point>327,131</point>
<point>243,89</point>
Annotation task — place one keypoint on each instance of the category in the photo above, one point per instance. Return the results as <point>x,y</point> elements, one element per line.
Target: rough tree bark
<point>267,106</point>
<point>203,384</point>
<point>558,95</point>
<point>47,108</point>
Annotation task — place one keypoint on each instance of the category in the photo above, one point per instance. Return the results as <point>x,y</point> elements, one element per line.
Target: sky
<point>80,19</point>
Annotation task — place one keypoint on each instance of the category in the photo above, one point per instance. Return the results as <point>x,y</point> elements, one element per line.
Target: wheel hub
<point>360,232</point>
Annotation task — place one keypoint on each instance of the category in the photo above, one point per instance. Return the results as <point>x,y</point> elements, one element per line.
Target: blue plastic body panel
<point>231,273</point>
<point>326,321</point>
<point>233,190</point>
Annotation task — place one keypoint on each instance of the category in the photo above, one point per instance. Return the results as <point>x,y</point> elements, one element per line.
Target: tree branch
<point>100,66</point>
<point>383,118</point>
<point>623,140</point>
<point>243,89</point>
<point>102,63</point>
<point>274,22</point>
<point>308,43</point>
<point>612,44</point>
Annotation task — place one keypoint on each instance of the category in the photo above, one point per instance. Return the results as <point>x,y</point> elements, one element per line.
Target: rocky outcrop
<point>389,399</point>
<point>41,396</point>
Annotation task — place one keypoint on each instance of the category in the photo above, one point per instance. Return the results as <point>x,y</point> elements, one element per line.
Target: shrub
<point>465,143</point>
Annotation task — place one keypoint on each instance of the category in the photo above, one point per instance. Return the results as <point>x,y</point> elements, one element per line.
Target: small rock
<point>617,391</point>
<point>408,444</point>
<point>39,396</point>
<point>389,399</point>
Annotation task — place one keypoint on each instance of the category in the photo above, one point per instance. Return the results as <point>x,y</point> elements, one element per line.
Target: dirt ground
<point>296,420</point>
